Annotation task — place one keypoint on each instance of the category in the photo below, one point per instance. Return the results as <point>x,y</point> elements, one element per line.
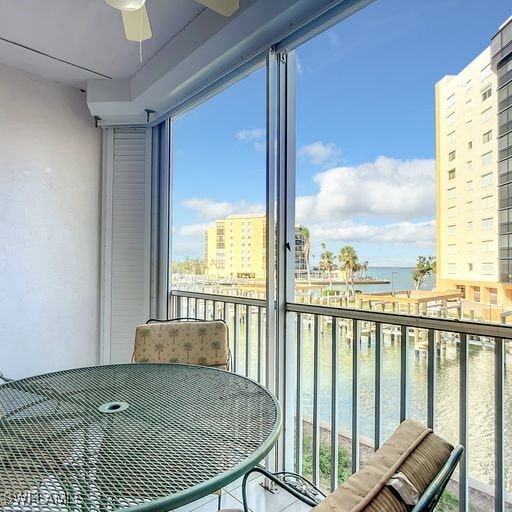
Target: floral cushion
<point>193,342</point>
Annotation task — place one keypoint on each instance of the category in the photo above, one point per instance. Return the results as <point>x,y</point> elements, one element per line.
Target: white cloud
<point>402,190</point>
<point>255,136</point>
<point>193,229</point>
<point>420,233</point>
<point>250,135</point>
<point>206,209</point>
<point>320,153</point>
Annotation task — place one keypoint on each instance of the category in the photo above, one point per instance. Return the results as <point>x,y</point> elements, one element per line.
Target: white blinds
<point>126,239</point>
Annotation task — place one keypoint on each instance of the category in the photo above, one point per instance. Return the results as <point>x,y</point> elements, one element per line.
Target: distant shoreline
<point>342,281</point>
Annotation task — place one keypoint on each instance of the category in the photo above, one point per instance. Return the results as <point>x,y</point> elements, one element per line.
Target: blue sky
<point>365,132</point>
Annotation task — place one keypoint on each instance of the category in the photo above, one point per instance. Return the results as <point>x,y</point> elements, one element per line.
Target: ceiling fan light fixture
<point>126,5</point>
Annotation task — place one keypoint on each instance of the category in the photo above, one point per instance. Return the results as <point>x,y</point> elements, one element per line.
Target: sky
<point>365,132</point>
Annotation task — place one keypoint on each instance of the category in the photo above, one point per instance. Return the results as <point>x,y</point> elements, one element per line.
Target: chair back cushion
<point>192,342</point>
<point>413,450</point>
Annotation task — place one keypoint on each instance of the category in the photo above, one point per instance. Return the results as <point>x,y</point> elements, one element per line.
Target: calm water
<point>399,277</point>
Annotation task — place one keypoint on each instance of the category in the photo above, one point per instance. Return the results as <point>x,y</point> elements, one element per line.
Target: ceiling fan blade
<point>224,7</point>
<point>126,5</point>
<point>136,25</point>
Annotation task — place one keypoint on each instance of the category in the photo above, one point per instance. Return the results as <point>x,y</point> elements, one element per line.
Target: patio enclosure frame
<point>138,170</point>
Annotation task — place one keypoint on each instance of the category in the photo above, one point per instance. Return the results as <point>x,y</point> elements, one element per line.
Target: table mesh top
<point>171,429</point>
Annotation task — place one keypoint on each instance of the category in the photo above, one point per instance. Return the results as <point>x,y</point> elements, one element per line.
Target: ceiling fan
<point>136,20</point>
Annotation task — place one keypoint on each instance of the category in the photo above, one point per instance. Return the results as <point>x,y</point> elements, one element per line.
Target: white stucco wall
<point>49,226</point>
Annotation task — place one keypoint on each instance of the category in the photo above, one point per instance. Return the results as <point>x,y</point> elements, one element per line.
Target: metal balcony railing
<point>344,398</point>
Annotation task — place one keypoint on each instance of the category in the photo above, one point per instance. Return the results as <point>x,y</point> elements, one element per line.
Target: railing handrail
<point>218,298</point>
<point>419,322</point>
<point>492,330</point>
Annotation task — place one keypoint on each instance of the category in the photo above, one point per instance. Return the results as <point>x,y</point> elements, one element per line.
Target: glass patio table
<point>139,436</point>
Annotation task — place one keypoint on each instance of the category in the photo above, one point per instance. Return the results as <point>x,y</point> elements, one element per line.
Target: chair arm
<point>433,492</point>
<point>4,378</point>
<point>302,489</point>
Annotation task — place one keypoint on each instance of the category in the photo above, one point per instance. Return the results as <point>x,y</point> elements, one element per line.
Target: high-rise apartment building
<point>473,241</point>
<point>236,247</point>
<point>501,56</point>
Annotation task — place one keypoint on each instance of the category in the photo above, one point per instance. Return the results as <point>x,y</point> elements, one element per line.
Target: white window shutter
<point>126,239</point>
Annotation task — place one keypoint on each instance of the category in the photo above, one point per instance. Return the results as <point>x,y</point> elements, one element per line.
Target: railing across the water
<point>318,330</point>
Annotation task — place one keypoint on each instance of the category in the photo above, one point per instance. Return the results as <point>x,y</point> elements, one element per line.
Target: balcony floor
<point>260,500</point>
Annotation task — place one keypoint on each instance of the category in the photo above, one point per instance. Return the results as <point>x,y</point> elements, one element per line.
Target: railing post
<point>463,422</point>
<point>378,385</point>
<point>236,335</point>
<point>334,404</point>
<point>356,360</point>
<point>431,379</point>
<point>316,401</point>
<point>299,422</point>
<point>404,372</point>
<point>248,316</point>
<point>260,345</point>
<point>499,397</point>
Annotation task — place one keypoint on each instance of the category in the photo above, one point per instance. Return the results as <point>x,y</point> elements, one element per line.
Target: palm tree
<point>202,332</point>
<point>348,259</point>
<point>216,347</point>
<point>159,347</point>
<point>173,333</point>
<point>364,268</point>
<point>145,332</point>
<point>327,262</point>
<point>188,347</point>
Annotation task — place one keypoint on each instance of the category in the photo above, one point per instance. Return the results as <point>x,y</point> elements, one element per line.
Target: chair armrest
<point>302,489</point>
<point>4,378</point>
<point>433,492</point>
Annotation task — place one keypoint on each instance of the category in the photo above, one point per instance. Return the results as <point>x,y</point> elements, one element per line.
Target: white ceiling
<point>81,43</point>
<point>87,33</point>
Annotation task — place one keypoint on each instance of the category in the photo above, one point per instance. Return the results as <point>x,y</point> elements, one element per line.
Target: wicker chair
<point>408,473</point>
<point>183,340</point>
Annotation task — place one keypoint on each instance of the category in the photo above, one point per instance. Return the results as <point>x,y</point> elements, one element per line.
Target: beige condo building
<point>470,189</point>
<point>236,247</point>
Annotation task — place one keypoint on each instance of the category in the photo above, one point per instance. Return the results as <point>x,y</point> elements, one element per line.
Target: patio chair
<point>183,340</point>
<point>408,473</point>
